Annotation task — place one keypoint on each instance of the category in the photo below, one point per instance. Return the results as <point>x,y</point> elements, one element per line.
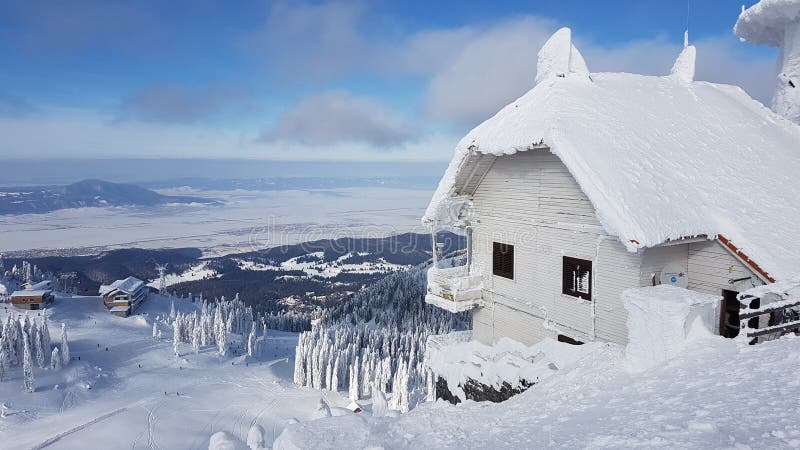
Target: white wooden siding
<point>656,258</point>
<point>531,201</point>
<point>711,266</point>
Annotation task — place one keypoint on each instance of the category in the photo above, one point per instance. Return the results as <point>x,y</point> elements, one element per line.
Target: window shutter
<point>576,278</point>
<point>503,260</point>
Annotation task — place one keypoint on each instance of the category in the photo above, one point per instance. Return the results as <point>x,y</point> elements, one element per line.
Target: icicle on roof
<point>683,69</point>
<point>559,58</point>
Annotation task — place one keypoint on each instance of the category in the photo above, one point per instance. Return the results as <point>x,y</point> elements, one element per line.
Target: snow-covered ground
<point>717,394</point>
<point>247,220</point>
<point>312,264</point>
<point>197,272</point>
<point>127,407</point>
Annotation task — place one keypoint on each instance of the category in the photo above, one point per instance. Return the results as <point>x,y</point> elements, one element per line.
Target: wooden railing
<point>783,319</point>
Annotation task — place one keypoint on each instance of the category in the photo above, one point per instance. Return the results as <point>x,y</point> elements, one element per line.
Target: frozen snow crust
<point>659,158</point>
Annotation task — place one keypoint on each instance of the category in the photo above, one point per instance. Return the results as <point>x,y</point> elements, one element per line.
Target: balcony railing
<point>454,289</point>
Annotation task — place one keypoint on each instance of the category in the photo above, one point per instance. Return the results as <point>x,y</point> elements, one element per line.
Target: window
<point>568,340</point>
<point>503,260</point>
<point>576,276</point>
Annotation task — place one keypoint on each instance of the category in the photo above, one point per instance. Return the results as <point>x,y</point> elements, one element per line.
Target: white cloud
<point>66,133</point>
<point>336,116</point>
<point>492,69</point>
<point>175,103</point>
<point>471,71</point>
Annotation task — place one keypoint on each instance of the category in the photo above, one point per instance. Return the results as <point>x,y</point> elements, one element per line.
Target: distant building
<point>40,286</point>
<point>123,297</point>
<point>32,299</point>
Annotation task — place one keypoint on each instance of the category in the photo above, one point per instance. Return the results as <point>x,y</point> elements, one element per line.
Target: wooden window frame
<point>568,262</point>
<point>503,260</point>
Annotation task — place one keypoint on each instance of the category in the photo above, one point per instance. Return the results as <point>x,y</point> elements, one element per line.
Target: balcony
<point>454,289</point>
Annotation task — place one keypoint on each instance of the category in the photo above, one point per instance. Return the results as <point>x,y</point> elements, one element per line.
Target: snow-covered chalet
<point>123,297</point>
<point>592,184</point>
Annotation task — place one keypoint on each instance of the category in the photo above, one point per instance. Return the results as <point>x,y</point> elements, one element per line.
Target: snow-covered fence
<point>781,301</point>
<point>784,318</point>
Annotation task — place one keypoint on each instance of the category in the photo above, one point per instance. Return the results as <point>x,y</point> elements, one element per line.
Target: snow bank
<point>457,358</point>
<point>661,320</point>
<point>716,395</point>
<point>222,440</point>
<point>646,149</point>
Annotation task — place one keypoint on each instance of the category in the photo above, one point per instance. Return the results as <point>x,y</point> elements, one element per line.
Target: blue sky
<point>377,80</point>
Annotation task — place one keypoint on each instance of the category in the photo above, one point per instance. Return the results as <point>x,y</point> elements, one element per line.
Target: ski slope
<point>106,400</point>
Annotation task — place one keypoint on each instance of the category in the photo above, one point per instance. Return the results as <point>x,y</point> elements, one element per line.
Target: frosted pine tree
<point>64,346</point>
<point>299,367</point>
<point>176,335</point>
<point>155,329</point>
<point>222,342</point>
<point>196,338</point>
<point>172,310</point>
<point>37,347</point>
<point>3,363</point>
<point>27,365</point>
<point>379,404</point>
<point>55,359</point>
<point>251,342</point>
<point>45,337</point>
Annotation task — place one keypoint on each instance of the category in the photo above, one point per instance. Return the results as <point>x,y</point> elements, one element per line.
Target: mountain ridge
<point>85,193</point>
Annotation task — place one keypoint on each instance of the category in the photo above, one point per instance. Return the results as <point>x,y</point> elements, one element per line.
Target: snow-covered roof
<point>45,284</point>
<point>128,285</point>
<point>765,22</point>
<point>660,158</point>
<point>29,293</point>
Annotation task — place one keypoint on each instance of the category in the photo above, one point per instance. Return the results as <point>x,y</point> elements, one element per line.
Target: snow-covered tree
<point>38,350</point>
<point>379,404</point>
<point>172,310</point>
<point>46,343</point>
<point>3,363</point>
<point>176,335</point>
<point>55,359</point>
<point>376,337</point>
<point>64,345</point>
<point>196,338</point>
<point>27,365</point>
<point>255,437</point>
<point>251,342</point>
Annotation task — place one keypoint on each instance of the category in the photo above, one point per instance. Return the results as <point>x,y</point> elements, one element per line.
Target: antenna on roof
<point>686,33</point>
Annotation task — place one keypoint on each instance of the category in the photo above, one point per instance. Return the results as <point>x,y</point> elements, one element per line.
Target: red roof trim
<point>753,265</point>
